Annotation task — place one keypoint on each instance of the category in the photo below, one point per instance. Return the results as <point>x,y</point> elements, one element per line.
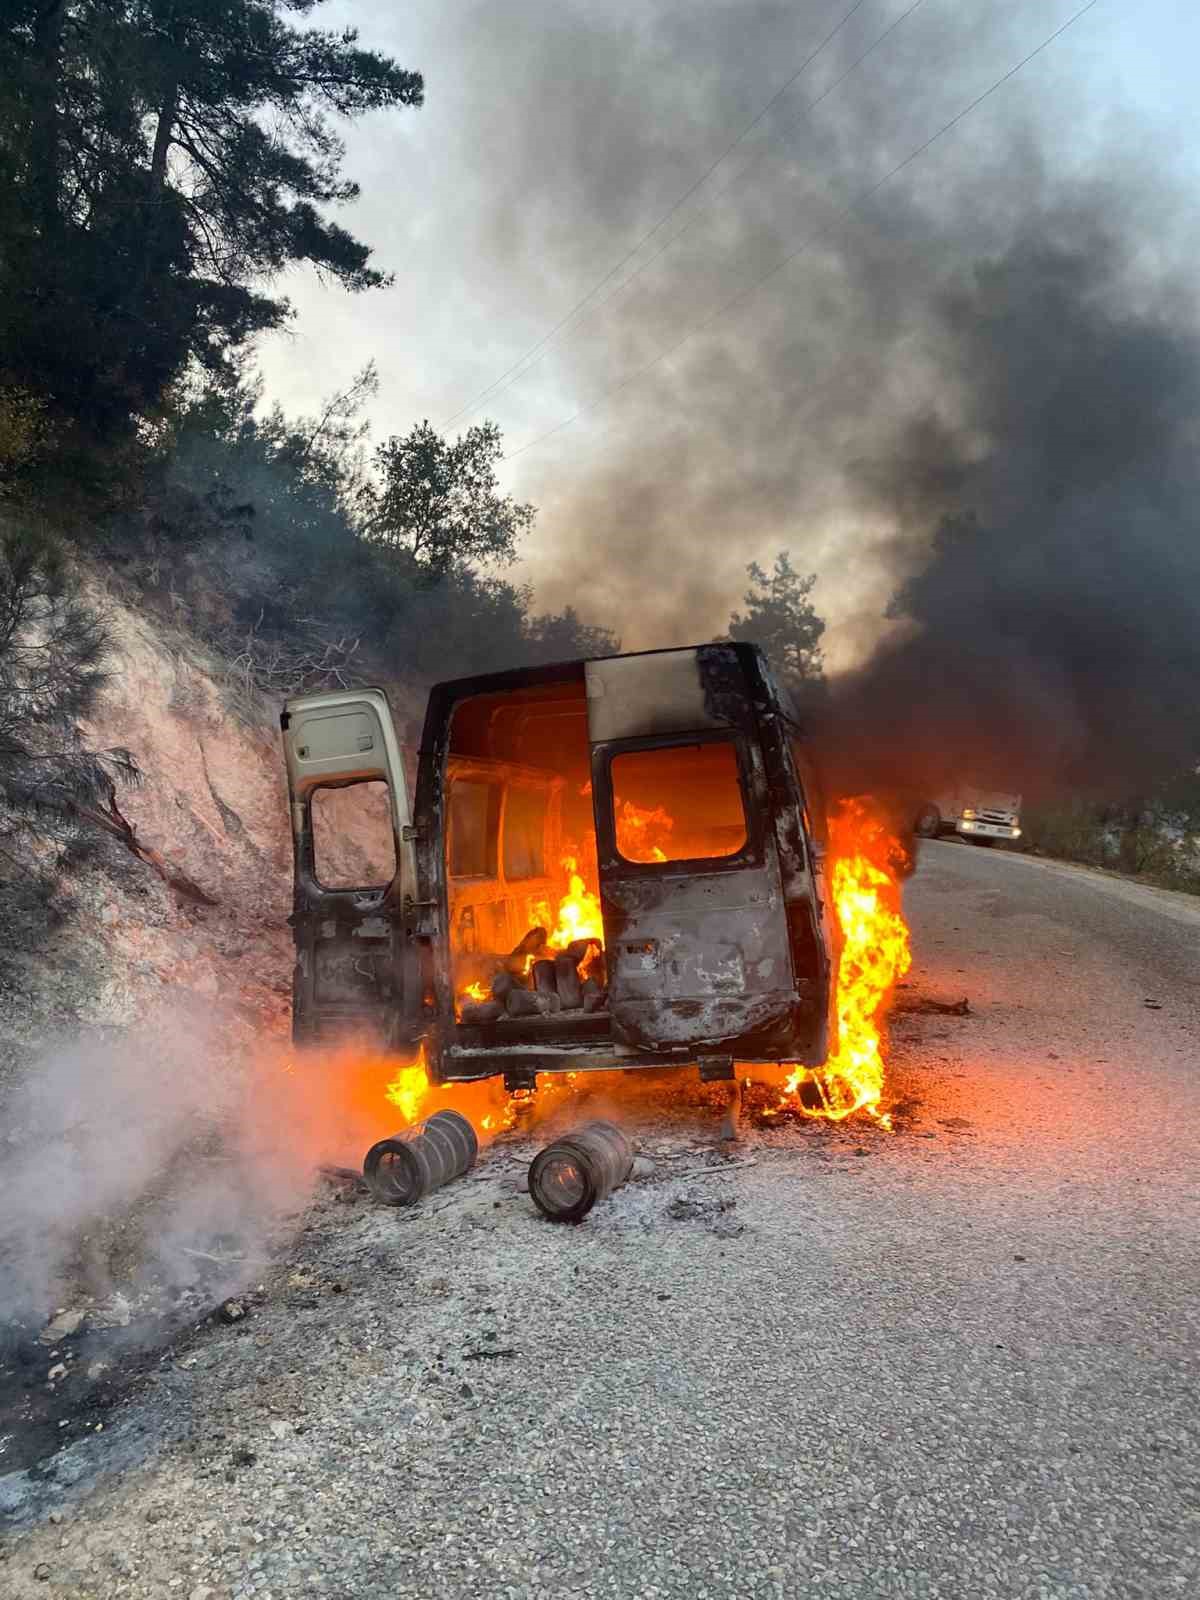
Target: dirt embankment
<point>144,1018</point>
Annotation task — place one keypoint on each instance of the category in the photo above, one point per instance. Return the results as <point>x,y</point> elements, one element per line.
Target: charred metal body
<point>403,1169</point>
<point>720,947</point>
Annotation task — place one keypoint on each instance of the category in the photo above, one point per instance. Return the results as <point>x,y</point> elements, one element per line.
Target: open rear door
<point>356,966</point>
<point>696,934</point>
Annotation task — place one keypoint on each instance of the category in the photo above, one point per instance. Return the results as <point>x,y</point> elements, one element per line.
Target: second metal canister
<point>576,1172</point>
<point>400,1170</point>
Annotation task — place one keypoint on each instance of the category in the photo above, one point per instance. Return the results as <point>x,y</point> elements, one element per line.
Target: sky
<point>716,419</point>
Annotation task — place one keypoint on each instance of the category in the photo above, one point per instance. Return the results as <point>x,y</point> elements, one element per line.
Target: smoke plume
<point>968,402</point>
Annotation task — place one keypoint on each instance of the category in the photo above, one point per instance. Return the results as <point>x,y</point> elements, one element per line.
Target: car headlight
<point>1016,833</point>
<point>969,827</point>
<point>968,813</point>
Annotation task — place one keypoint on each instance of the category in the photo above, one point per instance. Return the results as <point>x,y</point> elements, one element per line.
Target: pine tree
<point>780,617</point>
<point>160,161</point>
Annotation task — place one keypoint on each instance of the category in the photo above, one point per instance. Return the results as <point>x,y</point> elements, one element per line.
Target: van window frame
<point>751,854</point>
<point>380,890</point>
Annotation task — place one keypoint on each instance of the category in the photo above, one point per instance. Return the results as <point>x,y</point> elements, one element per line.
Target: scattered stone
<point>41,1571</point>
<point>727,1228</point>
<point>941,1008</point>
<point>1019,1258</point>
<point>466,1391</point>
<point>58,1370</point>
<point>62,1326</point>
<point>280,1430</point>
<point>115,1312</point>
<point>692,1207</point>
<point>231,1311</point>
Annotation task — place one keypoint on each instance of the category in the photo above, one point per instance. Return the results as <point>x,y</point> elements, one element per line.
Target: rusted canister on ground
<point>400,1170</point>
<point>573,1174</point>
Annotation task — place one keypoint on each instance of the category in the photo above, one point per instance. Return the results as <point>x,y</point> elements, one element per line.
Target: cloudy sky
<point>702,418</point>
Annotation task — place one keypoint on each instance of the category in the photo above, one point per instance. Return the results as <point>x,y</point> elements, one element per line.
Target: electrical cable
<point>805,244</point>
<point>539,351</point>
<point>471,405</point>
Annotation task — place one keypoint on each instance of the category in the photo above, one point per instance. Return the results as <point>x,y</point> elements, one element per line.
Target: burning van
<point>607,863</point>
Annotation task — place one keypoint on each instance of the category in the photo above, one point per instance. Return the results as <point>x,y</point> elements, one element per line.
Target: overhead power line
<point>539,351</point>
<point>662,221</point>
<point>806,243</point>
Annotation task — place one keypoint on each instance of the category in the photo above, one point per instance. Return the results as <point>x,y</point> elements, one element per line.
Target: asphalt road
<point>959,1360</point>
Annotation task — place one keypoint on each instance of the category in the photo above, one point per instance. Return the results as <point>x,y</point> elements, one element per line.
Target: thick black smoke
<point>1051,514</point>
<point>970,404</point>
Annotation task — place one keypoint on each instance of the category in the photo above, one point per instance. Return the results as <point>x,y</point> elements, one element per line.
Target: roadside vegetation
<point>146,217</point>
<point>1155,837</point>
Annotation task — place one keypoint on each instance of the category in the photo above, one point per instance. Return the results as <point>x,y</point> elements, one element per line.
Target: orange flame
<point>639,831</point>
<point>578,911</point>
<point>409,1089</point>
<point>867,862</point>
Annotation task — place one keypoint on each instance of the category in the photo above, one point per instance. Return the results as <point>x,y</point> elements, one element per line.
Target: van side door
<point>353,915</point>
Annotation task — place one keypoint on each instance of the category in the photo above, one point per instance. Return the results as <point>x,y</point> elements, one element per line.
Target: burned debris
<point>530,983</point>
<point>404,1168</point>
<point>577,1171</point>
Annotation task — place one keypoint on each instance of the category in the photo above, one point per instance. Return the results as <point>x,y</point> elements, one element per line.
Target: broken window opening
<point>678,802</point>
<point>354,842</point>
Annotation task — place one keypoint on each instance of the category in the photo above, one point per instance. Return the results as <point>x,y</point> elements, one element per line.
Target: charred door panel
<point>698,962</point>
<point>352,905</point>
<point>696,922</point>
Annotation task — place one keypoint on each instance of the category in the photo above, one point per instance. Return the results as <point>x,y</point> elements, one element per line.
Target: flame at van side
<point>867,863</point>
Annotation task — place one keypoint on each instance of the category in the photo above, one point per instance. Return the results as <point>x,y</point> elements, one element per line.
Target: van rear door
<point>353,911</point>
<point>696,926</point>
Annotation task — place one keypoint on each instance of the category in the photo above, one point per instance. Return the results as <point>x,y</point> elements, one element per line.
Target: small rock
<point>41,1570</point>
<point>691,1207</point>
<point>280,1430</point>
<point>466,1391</point>
<point>58,1370</point>
<point>56,1517</point>
<point>1018,1258</point>
<point>232,1311</point>
<point>62,1326</point>
<point>726,1228</point>
<point>116,1312</point>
